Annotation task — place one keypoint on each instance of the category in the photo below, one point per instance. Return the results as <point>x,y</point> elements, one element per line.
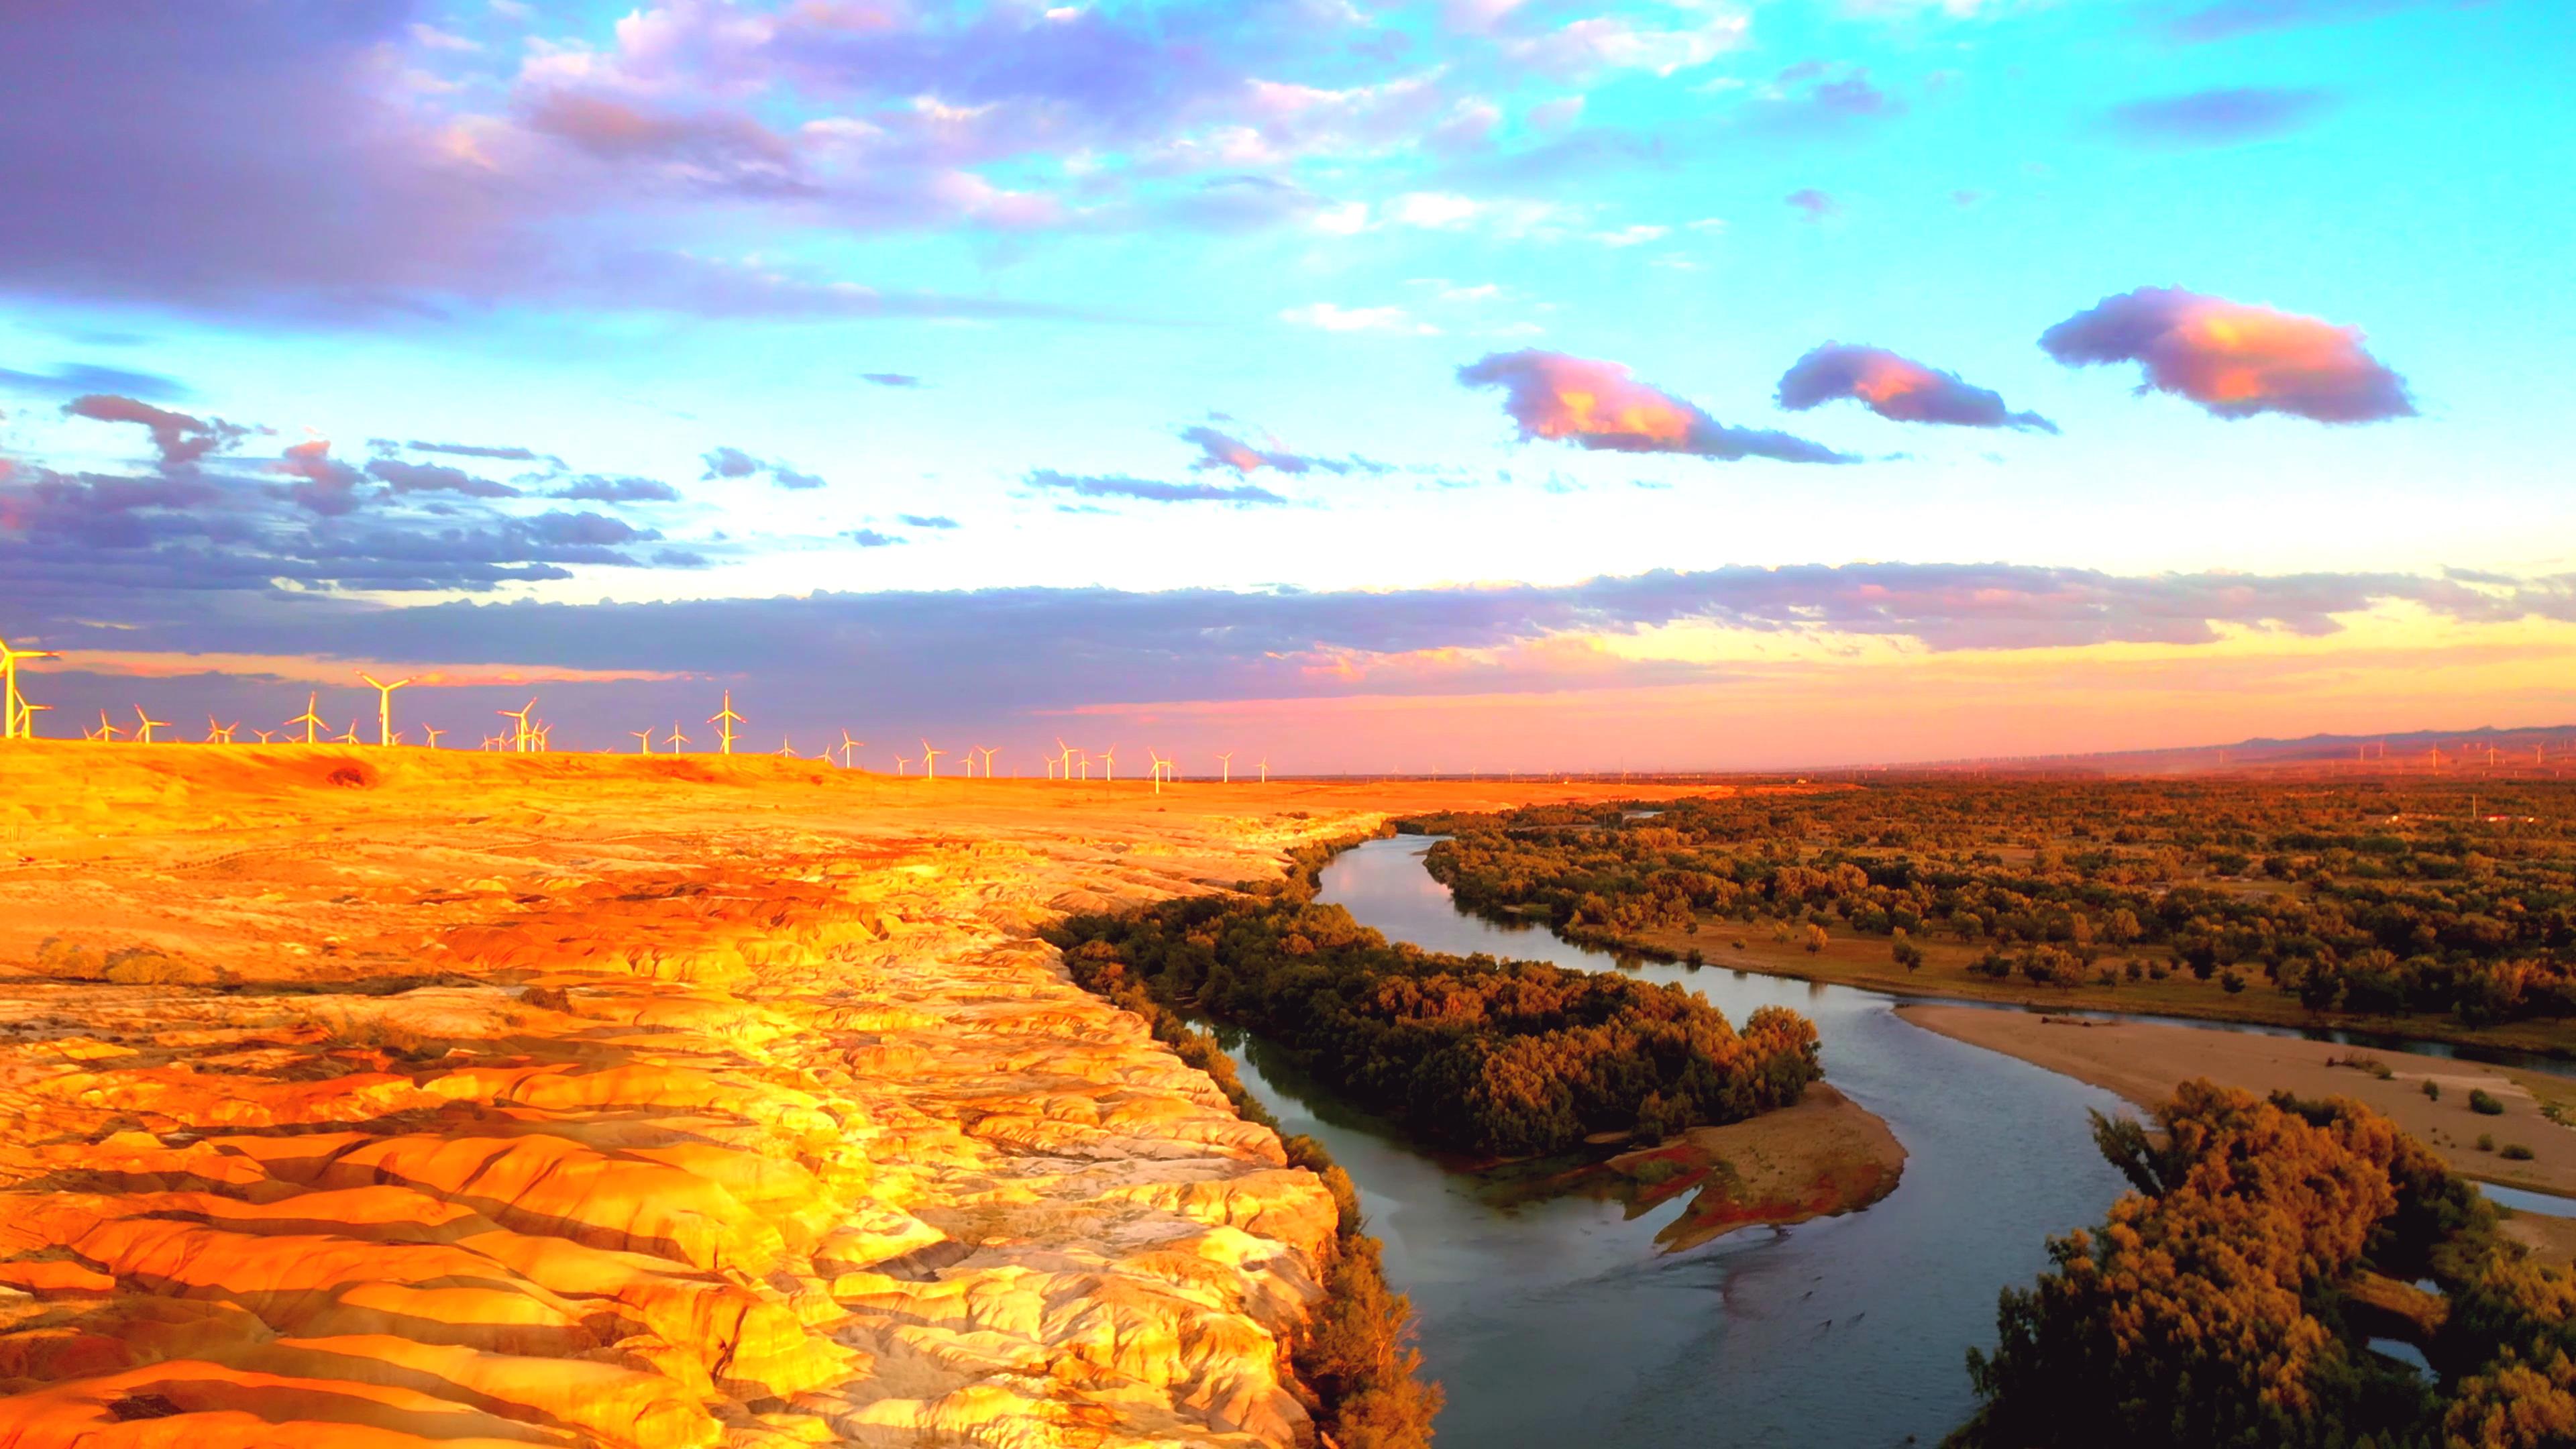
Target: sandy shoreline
<point>2145,1061</point>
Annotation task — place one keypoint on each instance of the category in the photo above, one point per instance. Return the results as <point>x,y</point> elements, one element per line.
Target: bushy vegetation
<point>2218,1305</point>
<point>1501,1058</point>
<point>1357,1352</point>
<point>2372,898</point>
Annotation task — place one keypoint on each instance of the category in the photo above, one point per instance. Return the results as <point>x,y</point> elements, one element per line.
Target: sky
<point>1463,385</point>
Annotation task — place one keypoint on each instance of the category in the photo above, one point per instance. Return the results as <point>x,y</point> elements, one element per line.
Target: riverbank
<point>446,1098</point>
<point>1868,962</point>
<point>2145,1061</point>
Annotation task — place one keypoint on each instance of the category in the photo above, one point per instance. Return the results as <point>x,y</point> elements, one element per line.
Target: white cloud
<point>1629,236</point>
<point>1328,317</point>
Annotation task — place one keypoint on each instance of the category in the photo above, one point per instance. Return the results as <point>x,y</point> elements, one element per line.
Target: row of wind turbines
<point>529,734</point>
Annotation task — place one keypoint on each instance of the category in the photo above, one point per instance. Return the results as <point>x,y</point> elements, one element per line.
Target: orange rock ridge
<point>381,1098</point>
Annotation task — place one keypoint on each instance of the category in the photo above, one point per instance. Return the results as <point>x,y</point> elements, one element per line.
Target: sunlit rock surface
<point>375,1098</point>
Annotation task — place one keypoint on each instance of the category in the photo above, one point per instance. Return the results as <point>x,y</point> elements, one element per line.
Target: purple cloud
<point>600,488</point>
<point>2234,359</point>
<point>1814,205</point>
<point>1597,405</point>
<point>436,478</point>
<point>2229,18</point>
<point>870,538</point>
<point>2216,118</point>
<point>729,462</point>
<point>181,440</point>
<point>1152,491</point>
<point>890,379</point>
<point>1898,389</point>
<point>93,377</point>
<point>1805,100</point>
<point>927,520</point>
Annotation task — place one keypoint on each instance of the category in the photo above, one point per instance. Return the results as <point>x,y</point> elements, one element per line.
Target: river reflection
<point>1559,1323</point>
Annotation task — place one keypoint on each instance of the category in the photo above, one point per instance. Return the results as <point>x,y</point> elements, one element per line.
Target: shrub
<point>2486,1142</point>
<point>2514,1152</point>
<point>2432,1089</point>
<point>2484,1103</point>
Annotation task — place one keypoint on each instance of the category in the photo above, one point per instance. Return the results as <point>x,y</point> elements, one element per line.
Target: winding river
<point>1560,1323</point>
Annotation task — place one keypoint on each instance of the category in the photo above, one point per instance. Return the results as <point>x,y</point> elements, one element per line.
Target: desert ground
<point>376,1098</point>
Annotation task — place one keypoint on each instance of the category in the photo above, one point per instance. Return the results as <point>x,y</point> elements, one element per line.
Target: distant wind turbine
<point>988,752</point>
<point>520,740</point>
<point>16,724</point>
<point>1161,766</point>
<point>1225,767</point>
<point>27,718</point>
<point>930,760</point>
<point>143,731</point>
<point>308,719</point>
<point>902,764</point>
<point>677,739</point>
<point>724,720</point>
<point>384,706</point>
<point>433,735</point>
<point>643,740</point>
<point>107,732</point>
<point>1109,765</point>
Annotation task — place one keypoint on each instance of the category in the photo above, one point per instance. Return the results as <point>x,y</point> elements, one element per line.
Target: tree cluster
<point>1498,1058</point>
<point>2219,1303</point>
<point>2370,898</point>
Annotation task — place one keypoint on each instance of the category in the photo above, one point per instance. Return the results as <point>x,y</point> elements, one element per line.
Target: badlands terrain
<point>375,1098</point>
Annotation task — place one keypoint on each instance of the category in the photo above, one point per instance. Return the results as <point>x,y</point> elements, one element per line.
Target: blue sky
<point>624,240</point>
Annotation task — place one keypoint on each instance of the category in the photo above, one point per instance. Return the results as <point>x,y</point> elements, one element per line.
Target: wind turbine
<point>1225,765</point>
<point>308,719</point>
<point>847,745</point>
<point>519,740</point>
<point>1109,765</point>
<point>724,720</point>
<point>433,735</point>
<point>351,737</point>
<point>988,752</point>
<point>214,731</point>
<point>1265,769</point>
<point>27,718</point>
<point>1160,766</point>
<point>107,732</point>
<point>643,740</point>
<point>264,736</point>
<point>677,739</point>
<point>384,706</point>
<point>14,723</point>
<point>785,749</point>
<point>143,731</point>
<point>930,761</point>
<point>902,764</point>
<point>1064,758</point>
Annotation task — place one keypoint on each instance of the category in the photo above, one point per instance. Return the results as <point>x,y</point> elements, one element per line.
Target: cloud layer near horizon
<point>2235,360</point>
<point>1597,405</point>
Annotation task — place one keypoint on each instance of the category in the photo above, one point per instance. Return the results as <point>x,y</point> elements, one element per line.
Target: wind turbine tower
<point>308,719</point>
<point>1225,768</point>
<point>384,706</point>
<point>143,731</point>
<point>724,720</point>
<point>930,761</point>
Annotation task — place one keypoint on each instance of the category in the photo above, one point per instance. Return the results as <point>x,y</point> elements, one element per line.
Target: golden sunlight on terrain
<point>377,1098</point>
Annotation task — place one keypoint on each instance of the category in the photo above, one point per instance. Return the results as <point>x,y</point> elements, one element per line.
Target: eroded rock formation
<point>374,1098</point>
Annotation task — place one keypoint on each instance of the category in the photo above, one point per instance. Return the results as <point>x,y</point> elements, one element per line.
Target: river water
<point>1561,1323</point>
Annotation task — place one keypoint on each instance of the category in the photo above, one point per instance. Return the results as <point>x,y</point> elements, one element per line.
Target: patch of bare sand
<point>1824,1157</point>
<point>2145,1061</point>
<point>383,1098</point>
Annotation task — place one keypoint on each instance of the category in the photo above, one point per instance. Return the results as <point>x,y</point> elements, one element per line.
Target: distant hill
<point>2542,751</point>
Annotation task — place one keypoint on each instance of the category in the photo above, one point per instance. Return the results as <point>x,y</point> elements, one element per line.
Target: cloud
<point>1597,405</point>
<point>1152,491</point>
<point>2234,359</point>
<point>1807,100</point>
<point>1609,42</point>
<point>2216,117</point>
<point>1898,389</point>
<point>94,377</point>
<point>327,485</point>
<point>1328,317</point>
<point>482,450</point>
<point>2229,18</point>
<point>926,520</point>
<point>1814,205</point>
<point>731,462</point>
<point>182,441</point>
<point>890,379</point>
<point>603,488</point>
<point>870,538</point>
<point>436,478</point>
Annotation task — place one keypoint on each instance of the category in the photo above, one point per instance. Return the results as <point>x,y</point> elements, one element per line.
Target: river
<point>1560,1323</point>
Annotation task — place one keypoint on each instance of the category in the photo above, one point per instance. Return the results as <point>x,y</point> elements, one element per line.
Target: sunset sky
<point>1475,384</point>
